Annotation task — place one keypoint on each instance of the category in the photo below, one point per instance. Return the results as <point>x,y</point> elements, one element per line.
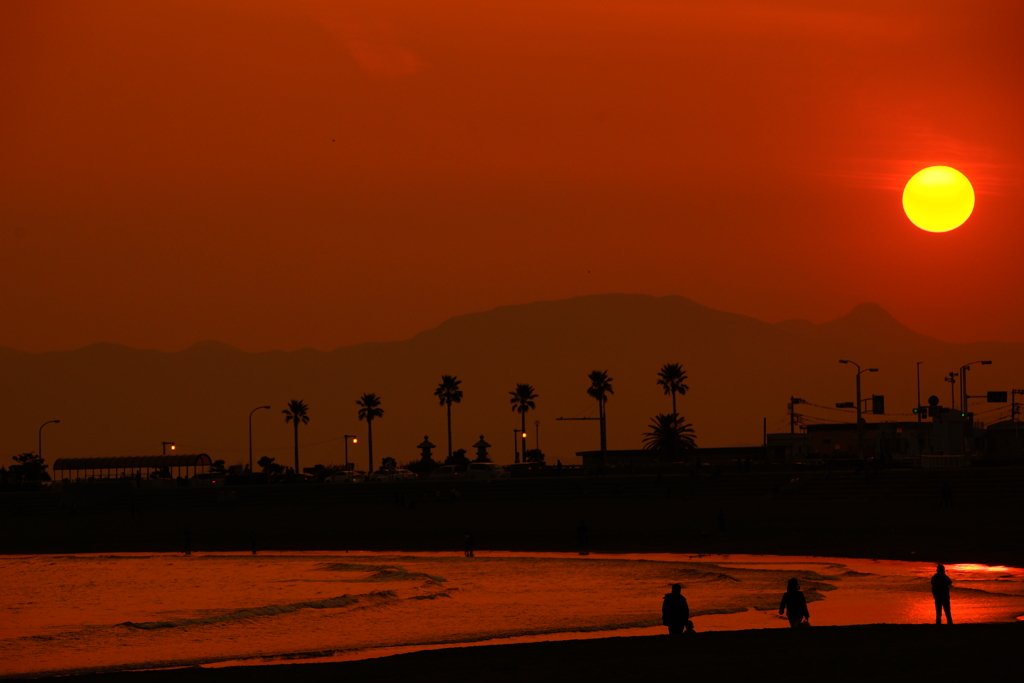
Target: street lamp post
<point>515,442</point>
<point>41,435</point>
<point>860,427</point>
<point>163,448</point>
<point>536,434</point>
<point>963,383</point>
<point>250,435</point>
<point>354,440</point>
<point>965,397</point>
<point>919,392</point>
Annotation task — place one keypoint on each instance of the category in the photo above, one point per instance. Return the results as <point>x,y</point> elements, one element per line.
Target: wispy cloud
<point>920,147</point>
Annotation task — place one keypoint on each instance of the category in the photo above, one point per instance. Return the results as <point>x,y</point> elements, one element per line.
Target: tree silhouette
<point>669,435</point>
<point>522,403</point>
<point>369,410</point>
<point>673,378</point>
<point>448,392</point>
<point>30,467</point>
<point>268,466</point>
<point>296,413</point>
<point>600,387</point>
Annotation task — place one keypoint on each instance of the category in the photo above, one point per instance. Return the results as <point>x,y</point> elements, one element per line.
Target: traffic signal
<point>878,405</point>
<point>921,410</point>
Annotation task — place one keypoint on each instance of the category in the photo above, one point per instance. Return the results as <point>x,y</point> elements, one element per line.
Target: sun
<point>938,199</point>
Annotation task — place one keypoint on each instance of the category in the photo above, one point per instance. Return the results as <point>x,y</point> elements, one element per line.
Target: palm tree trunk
<point>296,446</point>
<point>674,402</point>
<point>604,434</point>
<point>449,430</point>
<point>369,428</point>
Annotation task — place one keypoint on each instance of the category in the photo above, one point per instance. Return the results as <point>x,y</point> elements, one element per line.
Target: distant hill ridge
<point>114,400</point>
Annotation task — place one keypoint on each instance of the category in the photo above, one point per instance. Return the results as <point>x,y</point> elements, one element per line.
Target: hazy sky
<point>280,174</point>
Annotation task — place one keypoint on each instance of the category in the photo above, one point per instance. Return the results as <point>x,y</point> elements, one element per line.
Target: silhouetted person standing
<point>675,612</point>
<point>469,544</point>
<point>794,605</point>
<point>940,591</point>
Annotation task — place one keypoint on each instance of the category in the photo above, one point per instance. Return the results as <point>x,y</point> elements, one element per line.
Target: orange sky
<point>280,174</point>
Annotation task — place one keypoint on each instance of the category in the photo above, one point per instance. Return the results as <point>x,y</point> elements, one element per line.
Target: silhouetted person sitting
<point>940,591</point>
<point>794,605</point>
<point>675,612</point>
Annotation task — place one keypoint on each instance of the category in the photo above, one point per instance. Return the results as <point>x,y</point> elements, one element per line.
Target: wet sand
<point>842,653</point>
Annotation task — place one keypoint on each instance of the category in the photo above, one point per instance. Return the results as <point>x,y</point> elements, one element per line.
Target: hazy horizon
<point>219,342</point>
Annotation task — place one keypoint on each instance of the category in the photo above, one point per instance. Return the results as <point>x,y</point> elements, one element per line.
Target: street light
<point>536,434</point>
<point>860,429</point>
<point>354,440</point>
<point>918,411</point>
<point>515,443</point>
<point>163,448</point>
<point>963,383</point>
<point>250,435</point>
<point>41,436</point>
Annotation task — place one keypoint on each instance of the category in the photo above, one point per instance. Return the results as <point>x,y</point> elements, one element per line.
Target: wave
<point>375,598</point>
<point>382,572</point>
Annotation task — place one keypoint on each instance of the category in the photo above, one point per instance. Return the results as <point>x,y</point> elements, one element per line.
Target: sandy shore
<point>846,653</point>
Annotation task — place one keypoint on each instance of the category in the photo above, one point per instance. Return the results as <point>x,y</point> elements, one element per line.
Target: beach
<point>847,653</point>
<point>106,613</point>
<point>893,520</point>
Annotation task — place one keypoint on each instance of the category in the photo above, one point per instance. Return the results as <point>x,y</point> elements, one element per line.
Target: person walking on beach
<point>675,612</point>
<point>940,591</point>
<point>794,605</point>
<point>468,539</point>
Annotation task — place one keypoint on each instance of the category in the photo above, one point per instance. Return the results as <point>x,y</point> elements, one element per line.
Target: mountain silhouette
<point>114,400</point>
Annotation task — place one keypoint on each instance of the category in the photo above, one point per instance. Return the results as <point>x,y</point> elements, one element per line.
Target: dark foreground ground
<point>894,515</point>
<point>844,653</point>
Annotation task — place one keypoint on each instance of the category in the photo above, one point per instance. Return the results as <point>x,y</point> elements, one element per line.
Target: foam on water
<point>113,612</point>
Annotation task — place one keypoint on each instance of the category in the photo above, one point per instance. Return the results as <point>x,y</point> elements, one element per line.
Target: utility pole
<point>860,425</point>
<point>951,378</point>
<point>792,413</point>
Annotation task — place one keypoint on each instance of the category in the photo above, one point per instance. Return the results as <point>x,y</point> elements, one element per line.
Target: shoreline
<point>898,652</point>
<point>715,623</point>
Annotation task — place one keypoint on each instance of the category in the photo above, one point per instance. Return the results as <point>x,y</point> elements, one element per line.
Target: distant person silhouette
<point>675,612</point>
<point>794,605</point>
<point>940,591</point>
<point>469,544</point>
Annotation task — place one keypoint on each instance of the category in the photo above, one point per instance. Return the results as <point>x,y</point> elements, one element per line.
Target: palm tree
<point>369,408</point>
<point>673,378</point>
<point>522,403</point>
<point>448,392</point>
<point>296,413</point>
<point>669,434</point>
<point>600,387</point>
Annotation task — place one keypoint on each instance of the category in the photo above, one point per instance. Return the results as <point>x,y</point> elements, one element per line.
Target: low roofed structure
<point>129,465</point>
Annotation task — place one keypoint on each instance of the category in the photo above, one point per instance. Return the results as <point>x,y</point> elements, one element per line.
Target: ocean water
<point>62,614</point>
